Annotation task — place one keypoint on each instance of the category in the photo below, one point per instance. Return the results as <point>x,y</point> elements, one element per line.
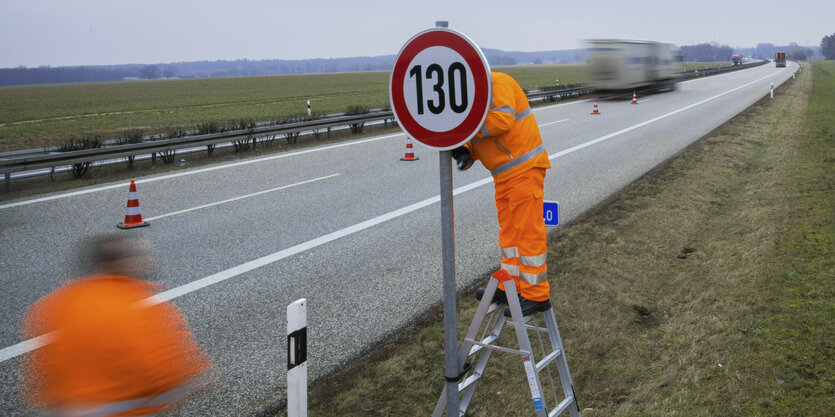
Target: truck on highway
<point>780,59</point>
<point>625,65</point>
<point>736,60</point>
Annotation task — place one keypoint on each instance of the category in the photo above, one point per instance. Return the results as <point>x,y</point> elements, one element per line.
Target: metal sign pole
<point>448,250</point>
<point>448,245</point>
<point>445,129</point>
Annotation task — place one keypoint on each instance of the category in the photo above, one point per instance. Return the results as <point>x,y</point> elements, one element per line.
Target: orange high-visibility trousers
<point>522,234</point>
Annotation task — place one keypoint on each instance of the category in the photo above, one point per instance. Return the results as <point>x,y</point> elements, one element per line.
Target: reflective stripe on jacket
<point>509,142</point>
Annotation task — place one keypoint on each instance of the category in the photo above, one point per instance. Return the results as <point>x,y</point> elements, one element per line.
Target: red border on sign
<point>481,101</point>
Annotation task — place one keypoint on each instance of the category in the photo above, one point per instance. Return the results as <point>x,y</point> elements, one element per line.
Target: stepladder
<point>481,341</point>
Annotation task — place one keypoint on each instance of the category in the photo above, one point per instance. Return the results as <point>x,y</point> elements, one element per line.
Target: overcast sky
<point>98,32</point>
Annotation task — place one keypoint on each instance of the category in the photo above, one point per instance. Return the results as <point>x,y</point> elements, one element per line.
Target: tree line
<point>196,69</point>
<point>704,52</point>
<point>714,52</point>
<point>828,46</point>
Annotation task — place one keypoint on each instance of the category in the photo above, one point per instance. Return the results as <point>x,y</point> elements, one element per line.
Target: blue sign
<point>551,213</point>
<point>537,403</point>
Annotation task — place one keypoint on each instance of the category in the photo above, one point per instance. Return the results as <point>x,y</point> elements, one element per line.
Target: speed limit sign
<point>440,88</point>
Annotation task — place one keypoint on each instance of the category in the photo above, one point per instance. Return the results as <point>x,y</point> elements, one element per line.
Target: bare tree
<point>828,46</point>
<point>149,72</point>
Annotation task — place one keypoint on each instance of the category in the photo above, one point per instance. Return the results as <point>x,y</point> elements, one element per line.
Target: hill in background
<point>249,68</point>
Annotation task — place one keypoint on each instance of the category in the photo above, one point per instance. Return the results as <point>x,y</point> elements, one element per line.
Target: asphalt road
<point>350,227</point>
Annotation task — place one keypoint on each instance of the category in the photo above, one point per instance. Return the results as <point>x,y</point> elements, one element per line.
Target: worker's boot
<point>529,307</point>
<point>499,297</point>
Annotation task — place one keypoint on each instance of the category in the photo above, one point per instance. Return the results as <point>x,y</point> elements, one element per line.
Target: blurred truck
<point>736,60</point>
<point>780,59</point>
<point>626,65</point>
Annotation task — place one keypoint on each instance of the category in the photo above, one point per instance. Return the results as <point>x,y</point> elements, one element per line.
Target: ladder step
<point>494,347</point>
<point>548,359</point>
<point>469,381</point>
<point>525,319</point>
<point>537,328</point>
<point>563,405</point>
<point>493,307</point>
<point>477,347</point>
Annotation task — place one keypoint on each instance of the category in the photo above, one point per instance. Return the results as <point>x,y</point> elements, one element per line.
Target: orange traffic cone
<point>595,107</point>
<point>410,153</point>
<point>133,216</point>
<point>634,98</point>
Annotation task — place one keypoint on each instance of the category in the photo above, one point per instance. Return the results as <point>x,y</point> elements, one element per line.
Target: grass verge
<point>705,288</point>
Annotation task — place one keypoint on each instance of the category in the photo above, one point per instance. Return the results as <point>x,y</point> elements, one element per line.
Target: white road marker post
<point>308,108</point>
<point>772,90</point>
<point>297,358</point>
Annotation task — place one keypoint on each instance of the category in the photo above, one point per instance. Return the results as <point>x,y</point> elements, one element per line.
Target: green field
<point>41,115</point>
<point>537,76</point>
<point>33,116</point>
<point>44,115</point>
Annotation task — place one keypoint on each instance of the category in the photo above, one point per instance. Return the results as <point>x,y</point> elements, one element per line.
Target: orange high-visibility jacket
<point>509,142</point>
<point>107,352</point>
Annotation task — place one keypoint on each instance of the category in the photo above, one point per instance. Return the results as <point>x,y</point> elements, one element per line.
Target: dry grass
<point>703,289</point>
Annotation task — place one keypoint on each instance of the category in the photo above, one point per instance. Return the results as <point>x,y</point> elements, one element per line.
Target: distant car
<point>626,65</point>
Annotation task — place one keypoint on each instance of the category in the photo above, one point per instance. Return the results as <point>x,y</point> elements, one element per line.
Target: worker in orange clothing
<point>510,146</point>
<point>111,348</point>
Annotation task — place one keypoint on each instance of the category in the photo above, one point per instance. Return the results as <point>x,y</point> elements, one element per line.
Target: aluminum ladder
<point>485,346</point>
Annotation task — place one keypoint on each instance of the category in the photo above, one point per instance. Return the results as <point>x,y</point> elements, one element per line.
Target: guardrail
<point>26,161</point>
<point>687,75</point>
<point>51,159</point>
<point>576,90</point>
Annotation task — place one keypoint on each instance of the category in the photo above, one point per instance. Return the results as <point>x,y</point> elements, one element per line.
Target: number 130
<point>436,106</point>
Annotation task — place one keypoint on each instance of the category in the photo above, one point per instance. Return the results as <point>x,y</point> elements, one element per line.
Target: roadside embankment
<point>705,288</point>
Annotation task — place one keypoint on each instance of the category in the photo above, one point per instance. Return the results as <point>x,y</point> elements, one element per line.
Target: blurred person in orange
<point>113,348</point>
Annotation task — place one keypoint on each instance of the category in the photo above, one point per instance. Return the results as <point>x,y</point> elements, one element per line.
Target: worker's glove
<point>462,158</point>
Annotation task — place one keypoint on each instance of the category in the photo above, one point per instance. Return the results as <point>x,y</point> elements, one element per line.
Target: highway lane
<point>363,282</point>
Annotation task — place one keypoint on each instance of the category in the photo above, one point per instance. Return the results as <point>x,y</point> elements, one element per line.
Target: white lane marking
<point>25,346</point>
<point>302,247</point>
<point>197,171</point>
<point>240,197</point>
<point>644,100</point>
<point>653,120</point>
<point>224,166</point>
<point>561,105</point>
<point>552,123</point>
<point>28,345</point>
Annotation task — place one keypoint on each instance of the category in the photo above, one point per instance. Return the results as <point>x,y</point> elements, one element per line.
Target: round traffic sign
<point>440,88</point>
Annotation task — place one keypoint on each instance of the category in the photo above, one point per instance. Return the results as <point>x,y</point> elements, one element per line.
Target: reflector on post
<point>297,358</point>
